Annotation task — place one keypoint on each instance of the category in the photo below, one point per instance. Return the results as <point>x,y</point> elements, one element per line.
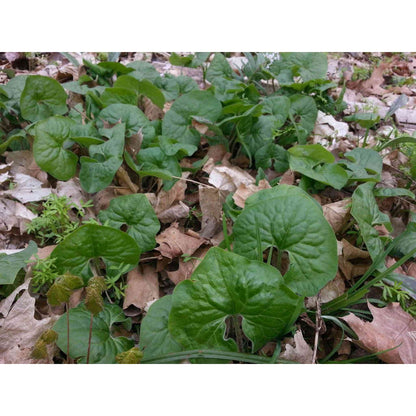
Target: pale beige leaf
<point>142,287</point>
<point>229,178</point>
<point>244,191</point>
<point>337,214</point>
<point>173,242</point>
<point>165,199</point>
<point>14,214</point>
<point>26,189</point>
<point>391,327</point>
<point>296,349</point>
<point>72,190</point>
<point>330,291</point>
<point>174,213</point>
<point>24,162</point>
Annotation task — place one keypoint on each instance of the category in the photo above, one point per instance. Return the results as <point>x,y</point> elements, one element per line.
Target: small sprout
<point>60,291</point>
<point>93,299</point>
<point>131,356</point>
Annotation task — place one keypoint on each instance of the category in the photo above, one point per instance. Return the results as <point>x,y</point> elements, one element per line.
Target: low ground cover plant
<point>251,289</point>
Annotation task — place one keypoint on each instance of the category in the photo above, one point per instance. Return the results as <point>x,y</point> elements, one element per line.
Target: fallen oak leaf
<point>297,349</point>
<point>391,327</point>
<point>244,191</point>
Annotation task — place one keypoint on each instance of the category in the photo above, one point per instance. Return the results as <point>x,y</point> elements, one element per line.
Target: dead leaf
<point>333,289</point>
<point>337,214</point>
<point>217,152</point>
<point>173,242</point>
<point>210,201</point>
<point>165,199</point>
<point>72,190</point>
<point>102,199</point>
<point>142,287</point>
<point>19,330</point>
<point>353,262</point>
<point>229,178</point>
<point>14,214</point>
<point>288,178</point>
<point>390,327</point>
<point>186,269</point>
<point>152,111</point>
<point>174,213</point>
<point>244,191</point>
<point>24,162</point>
<point>296,349</point>
<point>371,86</point>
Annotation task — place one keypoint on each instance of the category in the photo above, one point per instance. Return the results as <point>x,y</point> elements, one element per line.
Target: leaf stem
<point>89,339</point>
<point>238,333</point>
<point>68,358</point>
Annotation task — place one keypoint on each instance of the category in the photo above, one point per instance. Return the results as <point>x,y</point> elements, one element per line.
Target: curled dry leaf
<point>337,214</point>
<point>186,269</point>
<point>327,126</point>
<point>173,242</point>
<point>229,178</point>
<point>296,349</point>
<point>19,330</point>
<point>174,213</point>
<point>391,327</point>
<point>210,201</point>
<point>244,191</point>
<point>142,287</point>
<point>352,261</point>
<point>14,214</point>
<point>151,110</point>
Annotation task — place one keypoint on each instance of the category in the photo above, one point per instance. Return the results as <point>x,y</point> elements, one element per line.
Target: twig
<point>190,180</point>
<point>318,326</point>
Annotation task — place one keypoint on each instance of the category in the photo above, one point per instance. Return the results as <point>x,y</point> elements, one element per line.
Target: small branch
<point>196,182</point>
<point>318,326</point>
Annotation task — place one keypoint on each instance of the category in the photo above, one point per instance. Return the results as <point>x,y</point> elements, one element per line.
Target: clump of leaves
<point>44,274</point>
<point>40,350</point>
<point>55,223</point>
<point>396,293</point>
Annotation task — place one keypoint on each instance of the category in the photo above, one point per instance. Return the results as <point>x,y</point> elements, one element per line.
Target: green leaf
<point>116,67</point>
<point>49,147</point>
<point>154,162</point>
<point>287,218</point>
<point>302,113</point>
<point>314,161</point>
<point>363,165</point>
<point>390,192</point>
<point>144,87</point>
<point>14,89</point>
<point>399,102</point>
<point>12,263</point>
<point>172,147</point>
<point>42,97</point>
<point>226,284</point>
<point>275,111</point>
<point>308,65</point>
<point>155,338</point>
<point>177,122</point>
<point>104,346</point>
<point>219,68</point>
<point>136,212</point>
<point>117,95</point>
<point>98,170</point>
<point>407,241</point>
<point>143,70</point>
<point>91,242</point>
<point>272,153</point>
<point>365,120</point>
<point>131,116</point>
<point>178,60</point>
<point>132,356</point>
<point>367,214</point>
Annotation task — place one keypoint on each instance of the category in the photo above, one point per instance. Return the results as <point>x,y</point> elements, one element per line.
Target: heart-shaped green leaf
<point>131,116</point>
<point>177,122</point>
<point>42,97</point>
<point>155,338</point>
<point>104,346</point>
<point>314,161</point>
<point>98,170</point>
<point>363,164</point>
<point>13,90</point>
<point>49,148</point>
<point>302,113</point>
<point>117,95</point>
<point>92,242</point>
<point>12,263</point>
<point>226,284</point>
<point>287,218</point>
<point>143,70</point>
<point>136,212</point>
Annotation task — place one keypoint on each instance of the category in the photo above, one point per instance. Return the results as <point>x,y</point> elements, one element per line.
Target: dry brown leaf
<point>229,178</point>
<point>186,269</point>
<point>72,190</point>
<point>165,199</point>
<point>288,178</point>
<point>352,261</point>
<point>14,214</point>
<point>244,191</point>
<point>330,291</point>
<point>19,330</point>
<point>152,111</point>
<point>390,327</point>
<point>411,270</point>
<point>371,86</point>
<point>173,242</point>
<point>142,287</point>
<point>337,214</point>
<point>210,201</point>
<point>296,349</point>
<point>24,162</point>
<point>217,152</point>
<point>102,199</point>
<point>174,213</point>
